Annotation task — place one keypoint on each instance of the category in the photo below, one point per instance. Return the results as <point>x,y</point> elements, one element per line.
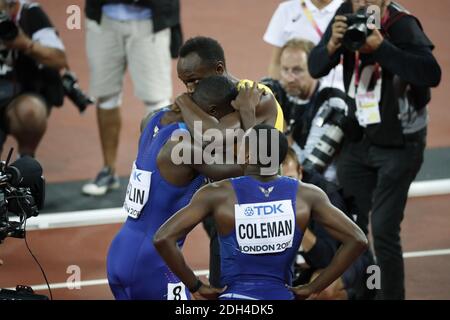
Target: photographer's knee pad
<point>112,102</point>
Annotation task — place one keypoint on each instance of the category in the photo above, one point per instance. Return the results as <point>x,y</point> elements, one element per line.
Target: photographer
<point>387,81</point>
<point>304,100</point>
<point>31,55</point>
<point>136,35</point>
<point>318,246</point>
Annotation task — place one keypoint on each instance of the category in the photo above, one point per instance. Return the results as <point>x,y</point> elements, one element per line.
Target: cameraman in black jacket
<point>388,92</point>
<point>31,55</point>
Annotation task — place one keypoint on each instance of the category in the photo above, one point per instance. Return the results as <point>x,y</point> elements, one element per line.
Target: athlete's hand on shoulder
<point>303,292</point>
<point>248,97</point>
<point>206,292</point>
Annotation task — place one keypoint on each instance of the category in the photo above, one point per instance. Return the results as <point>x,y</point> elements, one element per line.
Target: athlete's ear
<point>300,172</point>
<point>212,110</point>
<point>220,68</point>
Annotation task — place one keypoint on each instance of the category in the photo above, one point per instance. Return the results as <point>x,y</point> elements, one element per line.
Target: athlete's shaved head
<point>208,49</point>
<point>200,57</point>
<point>214,95</point>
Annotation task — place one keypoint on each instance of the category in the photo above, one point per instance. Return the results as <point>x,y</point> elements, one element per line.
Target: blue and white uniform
<point>135,269</point>
<point>258,255</point>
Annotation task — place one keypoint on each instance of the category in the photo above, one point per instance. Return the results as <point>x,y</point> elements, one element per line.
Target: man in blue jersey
<point>158,188</point>
<point>261,218</point>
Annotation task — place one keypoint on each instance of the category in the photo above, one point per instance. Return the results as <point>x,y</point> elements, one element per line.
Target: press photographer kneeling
<point>315,113</point>
<point>31,58</point>
<point>387,76</point>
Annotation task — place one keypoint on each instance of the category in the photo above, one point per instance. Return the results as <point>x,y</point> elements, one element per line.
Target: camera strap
<point>310,18</point>
<point>357,72</point>
<point>367,105</point>
<point>388,21</point>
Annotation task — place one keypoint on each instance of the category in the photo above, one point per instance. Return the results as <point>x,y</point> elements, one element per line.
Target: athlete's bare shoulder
<point>307,197</point>
<point>221,189</point>
<point>173,115</point>
<point>147,119</point>
<point>309,193</point>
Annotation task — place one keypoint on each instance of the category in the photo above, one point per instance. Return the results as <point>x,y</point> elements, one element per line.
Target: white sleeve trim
<point>48,38</point>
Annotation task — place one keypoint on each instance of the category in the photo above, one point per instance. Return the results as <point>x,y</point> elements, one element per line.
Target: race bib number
<point>367,109</point>
<point>264,227</point>
<point>176,291</point>
<point>137,192</point>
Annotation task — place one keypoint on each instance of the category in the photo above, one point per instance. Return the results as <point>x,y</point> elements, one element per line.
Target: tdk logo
<point>263,210</point>
<point>249,211</point>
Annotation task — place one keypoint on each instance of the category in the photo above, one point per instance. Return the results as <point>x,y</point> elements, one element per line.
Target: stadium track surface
<point>70,153</point>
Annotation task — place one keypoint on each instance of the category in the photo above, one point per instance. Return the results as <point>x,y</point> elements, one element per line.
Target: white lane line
<point>429,188</point>
<point>86,218</point>
<point>88,283</point>
<point>100,282</point>
<point>427,253</point>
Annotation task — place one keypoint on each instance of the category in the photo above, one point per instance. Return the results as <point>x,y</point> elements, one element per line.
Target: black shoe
<point>104,182</point>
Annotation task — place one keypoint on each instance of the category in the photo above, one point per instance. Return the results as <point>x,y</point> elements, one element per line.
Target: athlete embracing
<point>159,187</point>
<point>261,218</point>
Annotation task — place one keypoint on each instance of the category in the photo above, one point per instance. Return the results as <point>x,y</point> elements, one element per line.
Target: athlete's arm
<point>341,228</point>
<point>265,112</point>
<point>184,155</point>
<point>219,172</point>
<point>177,227</point>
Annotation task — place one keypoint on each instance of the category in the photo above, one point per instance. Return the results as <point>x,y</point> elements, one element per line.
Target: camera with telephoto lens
<point>73,91</point>
<point>21,293</point>
<point>357,30</point>
<point>323,153</point>
<point>22,194</point>
<point>9,31</point>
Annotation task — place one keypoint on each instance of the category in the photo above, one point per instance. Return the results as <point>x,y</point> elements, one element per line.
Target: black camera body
<point>8,29</point>
<point>325,150</point>
<point>357,31</point>
<point>21,293</point>
<point>21,193</point>
<point>73,91</point>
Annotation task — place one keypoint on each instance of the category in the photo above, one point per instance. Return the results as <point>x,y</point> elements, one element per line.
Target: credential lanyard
<point>311,19</point>
<point>376,73</point>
